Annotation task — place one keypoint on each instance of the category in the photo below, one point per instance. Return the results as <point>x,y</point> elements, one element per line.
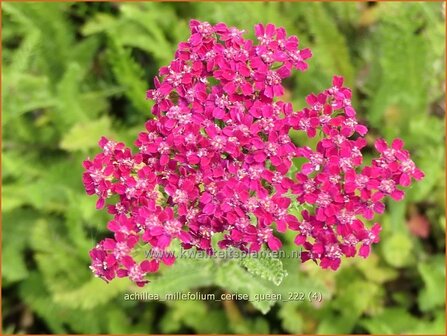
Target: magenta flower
<point>217,159</point>
<point>134,271</point>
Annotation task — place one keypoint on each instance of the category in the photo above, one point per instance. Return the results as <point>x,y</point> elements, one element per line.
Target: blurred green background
<point>75,71</point>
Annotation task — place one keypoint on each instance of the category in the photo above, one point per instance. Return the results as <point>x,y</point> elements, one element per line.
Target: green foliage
<point>73,72</point>
<point>128,74</point>
<point>183,276</point>
<point>236,279</point>
<point>433,274</point>
<point>84,136</point>
<point>266,267</point>
<point>399,321</point>
<point>329,41</point>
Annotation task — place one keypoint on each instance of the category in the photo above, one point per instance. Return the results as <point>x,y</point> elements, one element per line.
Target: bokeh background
<point>75,71</point>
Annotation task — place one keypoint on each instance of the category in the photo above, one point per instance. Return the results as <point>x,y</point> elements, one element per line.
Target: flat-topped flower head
<point>217,158</point>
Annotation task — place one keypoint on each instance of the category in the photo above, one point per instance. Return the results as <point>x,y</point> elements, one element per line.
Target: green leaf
<point>195,315</point>
<point>91,294</point>
<point>374,271</point>
<point>24,93</point>
<point>69,109</point>
<point>300,281</point>
<point>292,321</point>
<point>401,87</point>
<point>336,325</point>
<point>51,22</point>
<point>99,23</point>
<point>57,268</point>
<point>184,275</point>
<point>129,75</point>
<point>330,45</point>
<point>157,43</point>
<point>16,164</point>
<point>357,298</point>
<point>84,52</point>
<point>232,277</point>
<point>267,267</point>
<point>15,234</point>
<point>58,318</point>
<point>397,249</point>
<point>85,135</point>
<point>118,322</point>
<point>392,321</point>
<point>433,273</point>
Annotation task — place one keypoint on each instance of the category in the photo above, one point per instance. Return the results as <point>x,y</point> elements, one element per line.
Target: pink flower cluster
<point>217,159</point>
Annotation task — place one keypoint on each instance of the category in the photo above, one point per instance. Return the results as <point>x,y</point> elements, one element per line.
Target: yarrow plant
<point>217,158</point>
